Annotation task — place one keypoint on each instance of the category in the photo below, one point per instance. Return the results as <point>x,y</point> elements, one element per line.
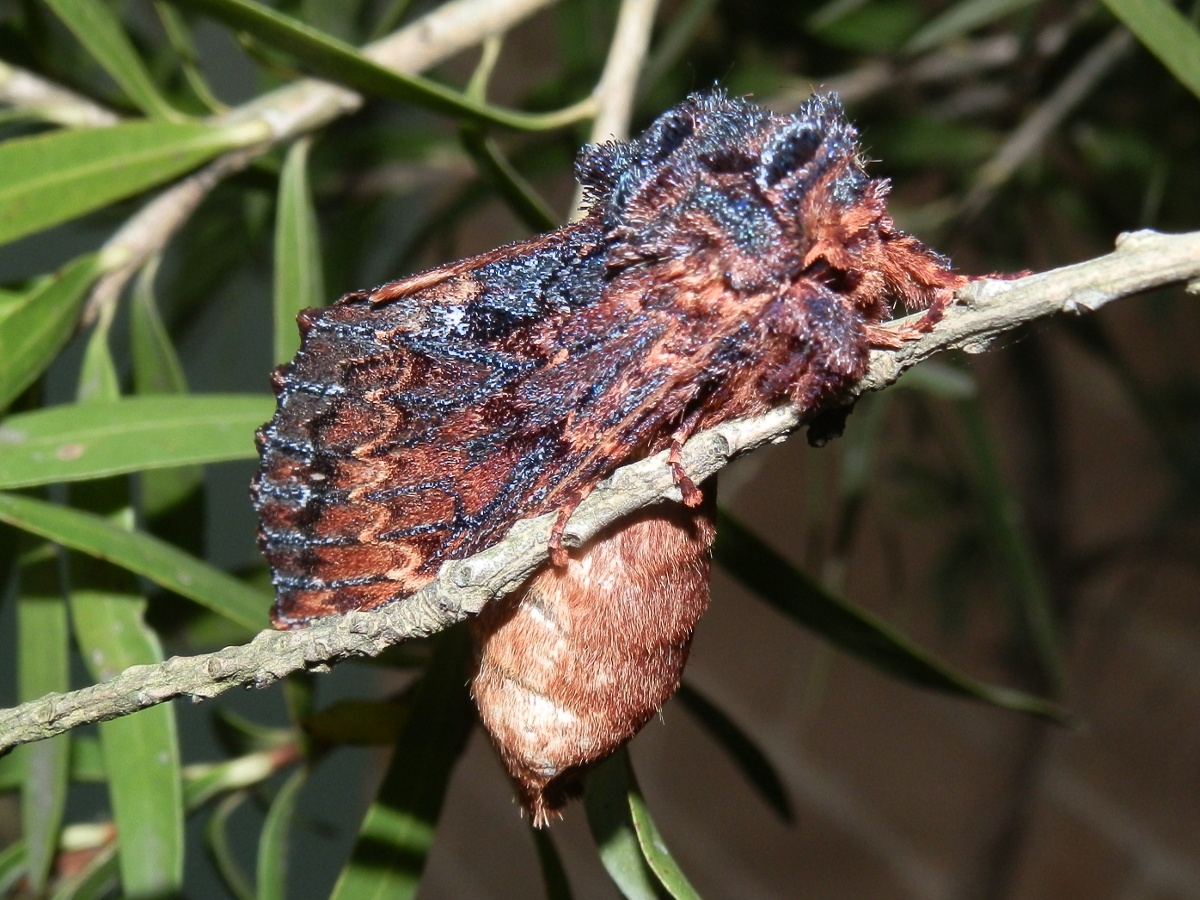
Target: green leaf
<point>606,801</point>
<point>156,365</point>
<point>141,752</point>
<point>554,875</point>
<point>43,667</point>
<point>86,765</point>
<point>12,867</point>
<point>1013,545</point>
<point>98,378</point>
<point>653,847</point>
<point>216,834</point>
<point>171,500</point>
<point>205,781</point>
<point>98,28</point>
<point>338,61</point>
<point>179,36</point>
<point>1166,33</point>
<point>749,758</point>
<point>77,442</point>
<point>298,280</point>
<point>35,327</point>
<point>141,554</point>
<point>95,881</point>
<point>518,193</point>
<point>397,833</point>
<point>51,178</point>
<point>860,634</point>
<point>272,844</point>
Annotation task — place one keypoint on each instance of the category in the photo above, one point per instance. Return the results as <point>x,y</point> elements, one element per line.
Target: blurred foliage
<point>1018,136</point>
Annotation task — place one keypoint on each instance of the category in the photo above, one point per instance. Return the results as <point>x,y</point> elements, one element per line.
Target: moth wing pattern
<point>394,449</point>
<point>730,260</point>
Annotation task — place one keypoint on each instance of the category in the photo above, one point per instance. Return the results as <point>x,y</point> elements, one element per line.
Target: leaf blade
<point>76,442</point>
<point>43,667</point>
<point>97,27</point>
<point>754,764</point>
<point>272,844</point>
<point>398,830</point>
<point>1165,32</point>
<point>141,554</point>
<point>338,61</point>
<point>141,752</point>
<point>774,579</point>
<point>52,178</point>
<point>606,803</point>
<point>36,326</point>
<point>298,277</point>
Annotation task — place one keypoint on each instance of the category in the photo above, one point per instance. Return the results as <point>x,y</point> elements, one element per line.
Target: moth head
<point>722,174</point>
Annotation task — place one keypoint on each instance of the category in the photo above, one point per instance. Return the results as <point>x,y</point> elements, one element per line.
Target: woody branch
<point>984,311</point>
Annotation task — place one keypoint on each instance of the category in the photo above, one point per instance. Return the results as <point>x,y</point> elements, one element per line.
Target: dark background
<point>1094,425</point>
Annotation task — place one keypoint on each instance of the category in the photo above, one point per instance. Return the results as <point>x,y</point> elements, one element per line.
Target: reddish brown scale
<point>731,260</point>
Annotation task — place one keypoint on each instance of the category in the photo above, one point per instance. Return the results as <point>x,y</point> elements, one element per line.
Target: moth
<point>730,260</point>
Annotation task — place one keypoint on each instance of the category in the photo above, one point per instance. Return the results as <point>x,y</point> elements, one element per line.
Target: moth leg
<point>692,495</point>
<point>886,338</point>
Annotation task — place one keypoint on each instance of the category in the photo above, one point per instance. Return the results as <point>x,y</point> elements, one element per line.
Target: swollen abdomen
<point>572,667</point>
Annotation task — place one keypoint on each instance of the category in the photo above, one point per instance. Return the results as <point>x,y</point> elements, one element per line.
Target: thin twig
<point>616,90</point>
<point>292,111</point>
<point>51,102</point>
<point>986,309</point>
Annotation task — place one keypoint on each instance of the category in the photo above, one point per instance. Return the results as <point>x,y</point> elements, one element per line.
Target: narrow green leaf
<point>141,554</point>
<point>51,178</point>
<point>606,801</point>
<point>34,328</point>
<point>338,61</point>
<point>145,781</point>
<point>272,843</point>
<point>1166,33</point>
<point>86,765</point>
<point>298,279</point>
<point>179,36</point>
<point>76,442</point>
<point>653,847</point>
<point>746,754</point>
<point>216,835</point>
<point>95,881</point>
<point>98,379</point>
<point>205,781</point>
<point>43,667</point>
<point>97,27</point>
<point>1007,535</point>
<point>554,874</point>
<point>397,833</point>
<point>141,752</point>
<point>860,634</point>
<point>156,365</point>
<point>12,867</point>
<point>390,17</point>
<point>960,19</point>
<point>518,193</point>
<point>172,500</point>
